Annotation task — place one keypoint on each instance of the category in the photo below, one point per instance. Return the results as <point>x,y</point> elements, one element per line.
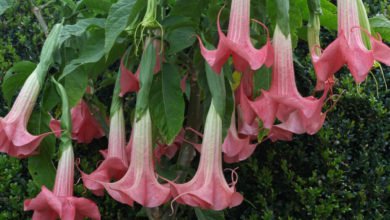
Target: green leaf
<point>4,5</point>
<point>328,17</point>
<point>229,107</point>
<point>262,80</point>
<point>14,79</point>
<point>147,64</point>
<point>90,53</point>
<point>50,97</point>
<point>192,9</point>
<point>80,28</point>
<point>202,214</point>
<point>180,39</point>
<point>98,6</point>
<point>121,13</point>
<point>41,166</point>
<point>381,25</point>
<point>167,103</point>
<point>216,84</point>
<point>75,86</point>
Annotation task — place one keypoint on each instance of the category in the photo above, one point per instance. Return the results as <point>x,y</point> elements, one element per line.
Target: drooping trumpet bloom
<point>140,182</point>
<point>349,48</point>
<point>208,188</point>
<point>85,126</point>
<point>130,81</point>
<point>61,203</point>
<point>15,140</point>
<point>238,43</point>
<point>297,114</point>
<point>236,147</point>
<point>115,163</point>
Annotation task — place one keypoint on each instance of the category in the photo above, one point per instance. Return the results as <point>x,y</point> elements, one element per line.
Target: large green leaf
<point>180,38</point>
<point>41,166</point>
<point>121,14</point>
<point>4,5</point>
<point>97,6</point>
<point>328,17</point>
<point>80,27</point>
<point>262,80</point>
<point>14,79</point>
<point>90,53</point>
<point>381,25</point>
<point>75,86</point>
<point>148,62</point>
<point>167,103</point>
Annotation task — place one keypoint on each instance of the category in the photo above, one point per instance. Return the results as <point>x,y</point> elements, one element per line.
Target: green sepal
<point>314,7</point>
<point>148,62</point>
<point>47,53</point>
<point>364,23</point>
<point>216,83</point>
<point>283,18</point>
<point>116,102</point>
<point>66,123</point>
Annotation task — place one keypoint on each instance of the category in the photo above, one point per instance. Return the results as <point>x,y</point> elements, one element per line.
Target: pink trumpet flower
<point>238,42</point>
<point>236,147</point>
<point>61,203</point>
<point>140,183</point>
<point>297,114</point>
<point>208,188</point>
<point>115,163</point>
<point>349,48</point>
<point>85,126</point>
<point>129,81</point>
<point>15,140</point>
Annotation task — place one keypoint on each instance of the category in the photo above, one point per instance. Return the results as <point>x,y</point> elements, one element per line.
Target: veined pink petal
<point>208,188</point>
<point>60,203</point>
<point>234,147</point>
<point>140,183</point>
<point>283,102</point>
<point>169,150</point>
<point>49,206</point>
<point>129,81</point>
<point>115,163</point>
<point>85,126</point>
<point>55,126</point>
<point>15,140</point>
<point>237,43</point>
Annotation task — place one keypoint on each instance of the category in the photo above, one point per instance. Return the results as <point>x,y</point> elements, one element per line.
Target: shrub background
<point>342,172</point>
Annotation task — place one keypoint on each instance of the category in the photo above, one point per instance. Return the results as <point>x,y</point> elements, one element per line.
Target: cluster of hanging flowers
<point>128,170</point>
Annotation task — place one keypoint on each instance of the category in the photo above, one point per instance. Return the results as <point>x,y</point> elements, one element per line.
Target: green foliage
<point>340,173</point>
<point>167,103</point>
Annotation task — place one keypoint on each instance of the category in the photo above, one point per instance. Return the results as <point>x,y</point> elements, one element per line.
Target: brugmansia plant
<point>182,102</point>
